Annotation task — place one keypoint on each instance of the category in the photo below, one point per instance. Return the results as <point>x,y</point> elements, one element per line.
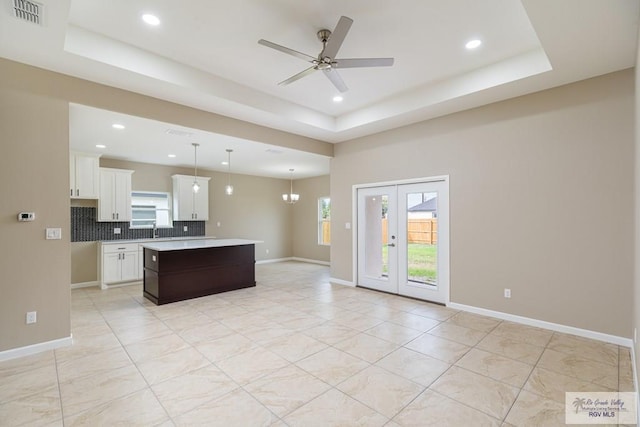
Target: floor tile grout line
<point>55,362</point>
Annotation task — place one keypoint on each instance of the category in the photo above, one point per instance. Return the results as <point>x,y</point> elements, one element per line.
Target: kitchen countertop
<point>157,239</point>
<point>197,244</point>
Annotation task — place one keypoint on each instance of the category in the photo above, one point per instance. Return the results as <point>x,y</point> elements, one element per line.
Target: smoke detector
<point>29,11</point>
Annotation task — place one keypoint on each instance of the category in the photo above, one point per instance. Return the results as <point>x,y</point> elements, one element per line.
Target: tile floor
<point>298,351</point>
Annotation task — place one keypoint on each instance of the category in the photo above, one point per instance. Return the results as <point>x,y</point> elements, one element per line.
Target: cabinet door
<point>122,196</point>
<point>129,266</point>
<point>111,268</point>
<point>106,208</point>
<point>201,202</point>
<point>183,199</point>
<point>86,180</point>
<point>72,175</point>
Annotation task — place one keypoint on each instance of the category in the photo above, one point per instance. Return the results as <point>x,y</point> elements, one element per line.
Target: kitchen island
<point>180,270</point>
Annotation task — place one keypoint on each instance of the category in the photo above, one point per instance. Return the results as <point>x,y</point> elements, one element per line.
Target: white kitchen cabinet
<point>84,175</point>
<point>187,205</point>
<point>114,203</point>
<point>119,263</point>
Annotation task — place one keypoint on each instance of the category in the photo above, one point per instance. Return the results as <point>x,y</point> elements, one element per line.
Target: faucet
<point>155,230</point>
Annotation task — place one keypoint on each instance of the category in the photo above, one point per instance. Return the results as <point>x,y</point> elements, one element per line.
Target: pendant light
<point>292,197</point>
<point>228,189</point>
<point>195,186</point>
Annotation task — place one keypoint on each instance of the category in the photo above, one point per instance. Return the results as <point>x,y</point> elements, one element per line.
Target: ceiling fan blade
<point>336,79</point>
<point>286,50</point>
<point>298,76</point>
<point>362,62</point>
<point>337,37</point>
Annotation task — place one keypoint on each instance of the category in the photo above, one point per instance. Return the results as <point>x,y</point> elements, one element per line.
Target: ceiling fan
<point>326,60</point>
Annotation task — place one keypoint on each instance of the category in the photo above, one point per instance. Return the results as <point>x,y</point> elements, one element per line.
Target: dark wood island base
<point>172,275</point>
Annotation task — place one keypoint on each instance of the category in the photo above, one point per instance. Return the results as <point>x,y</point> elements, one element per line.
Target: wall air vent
<point>29,11</point>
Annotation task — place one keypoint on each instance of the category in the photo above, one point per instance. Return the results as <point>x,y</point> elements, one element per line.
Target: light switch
<point>347,226</point>
<point>117,230</point>
<point>54,233</point>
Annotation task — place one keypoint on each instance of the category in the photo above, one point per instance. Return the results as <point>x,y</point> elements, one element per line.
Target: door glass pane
<point>422,237</point>
<point>376,236</point>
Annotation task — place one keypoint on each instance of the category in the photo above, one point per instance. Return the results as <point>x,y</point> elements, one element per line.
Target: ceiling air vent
<point>29,11</point>
<point>177,132</point>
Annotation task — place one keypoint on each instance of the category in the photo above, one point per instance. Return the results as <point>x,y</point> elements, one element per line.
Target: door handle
<point>393,245</point>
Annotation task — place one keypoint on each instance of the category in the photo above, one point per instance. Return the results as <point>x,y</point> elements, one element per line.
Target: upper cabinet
<point>114,203</point>
<point>188,205</point>
<point>84,175</point>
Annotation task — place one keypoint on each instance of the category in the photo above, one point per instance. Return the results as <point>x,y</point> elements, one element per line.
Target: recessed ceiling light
<point>225,163</point>
<point>172,155</point>
<point>472,44</point>
<point>151,19</point>
<point>101,146</point>
<point>117,126</point>
<point>337,98</point>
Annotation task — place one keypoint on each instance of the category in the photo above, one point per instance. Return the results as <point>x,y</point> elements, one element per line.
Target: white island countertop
<point>197,244</point>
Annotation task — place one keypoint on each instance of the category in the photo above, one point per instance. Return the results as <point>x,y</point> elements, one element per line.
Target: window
<point>148,207</point>
<point>324,221</point>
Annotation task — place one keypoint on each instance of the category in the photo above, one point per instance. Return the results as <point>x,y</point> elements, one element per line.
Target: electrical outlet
<point>31,317</point>
<point>117,230</point>
<point>507,293</point>
<point>185,228</point>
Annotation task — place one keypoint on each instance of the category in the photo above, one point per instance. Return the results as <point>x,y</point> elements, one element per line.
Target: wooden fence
<point>423,231</point>
<point>326,233</point>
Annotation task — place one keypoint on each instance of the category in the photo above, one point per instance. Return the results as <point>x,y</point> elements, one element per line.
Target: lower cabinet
<point>119,263</point>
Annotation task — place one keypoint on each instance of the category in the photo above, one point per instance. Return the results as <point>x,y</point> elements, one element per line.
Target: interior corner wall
<point>34,177</point>
<point>305,218</point>
<point>541,200</point>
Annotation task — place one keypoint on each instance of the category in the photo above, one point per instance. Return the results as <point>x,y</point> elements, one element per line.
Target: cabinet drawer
<point>125,247</point>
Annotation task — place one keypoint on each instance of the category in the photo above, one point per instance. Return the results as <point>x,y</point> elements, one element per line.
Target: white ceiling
<point>151,141</point>
<point>205,55</point>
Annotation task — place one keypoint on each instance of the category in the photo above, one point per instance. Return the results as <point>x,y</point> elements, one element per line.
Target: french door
<point>403,239</point>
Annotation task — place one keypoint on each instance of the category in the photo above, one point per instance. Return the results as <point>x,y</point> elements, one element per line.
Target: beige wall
<point>34,169</point>
<point>541,200</point>
<point>34,176</point>
<point>305,218</point>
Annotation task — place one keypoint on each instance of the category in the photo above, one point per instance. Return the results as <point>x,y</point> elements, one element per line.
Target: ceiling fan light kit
<point>326,60</point>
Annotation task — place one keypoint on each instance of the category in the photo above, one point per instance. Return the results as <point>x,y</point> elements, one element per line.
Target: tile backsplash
<point>85,228</point>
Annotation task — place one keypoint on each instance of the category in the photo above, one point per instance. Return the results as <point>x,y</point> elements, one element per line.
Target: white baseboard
<point>270,261</point>
<point>95,283</point>
<point>341,282</point>
<point>635,380</point>
<point>613,339</point>
<point>35,348</point>
<point>120,285</point>
<point>310,261</point>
